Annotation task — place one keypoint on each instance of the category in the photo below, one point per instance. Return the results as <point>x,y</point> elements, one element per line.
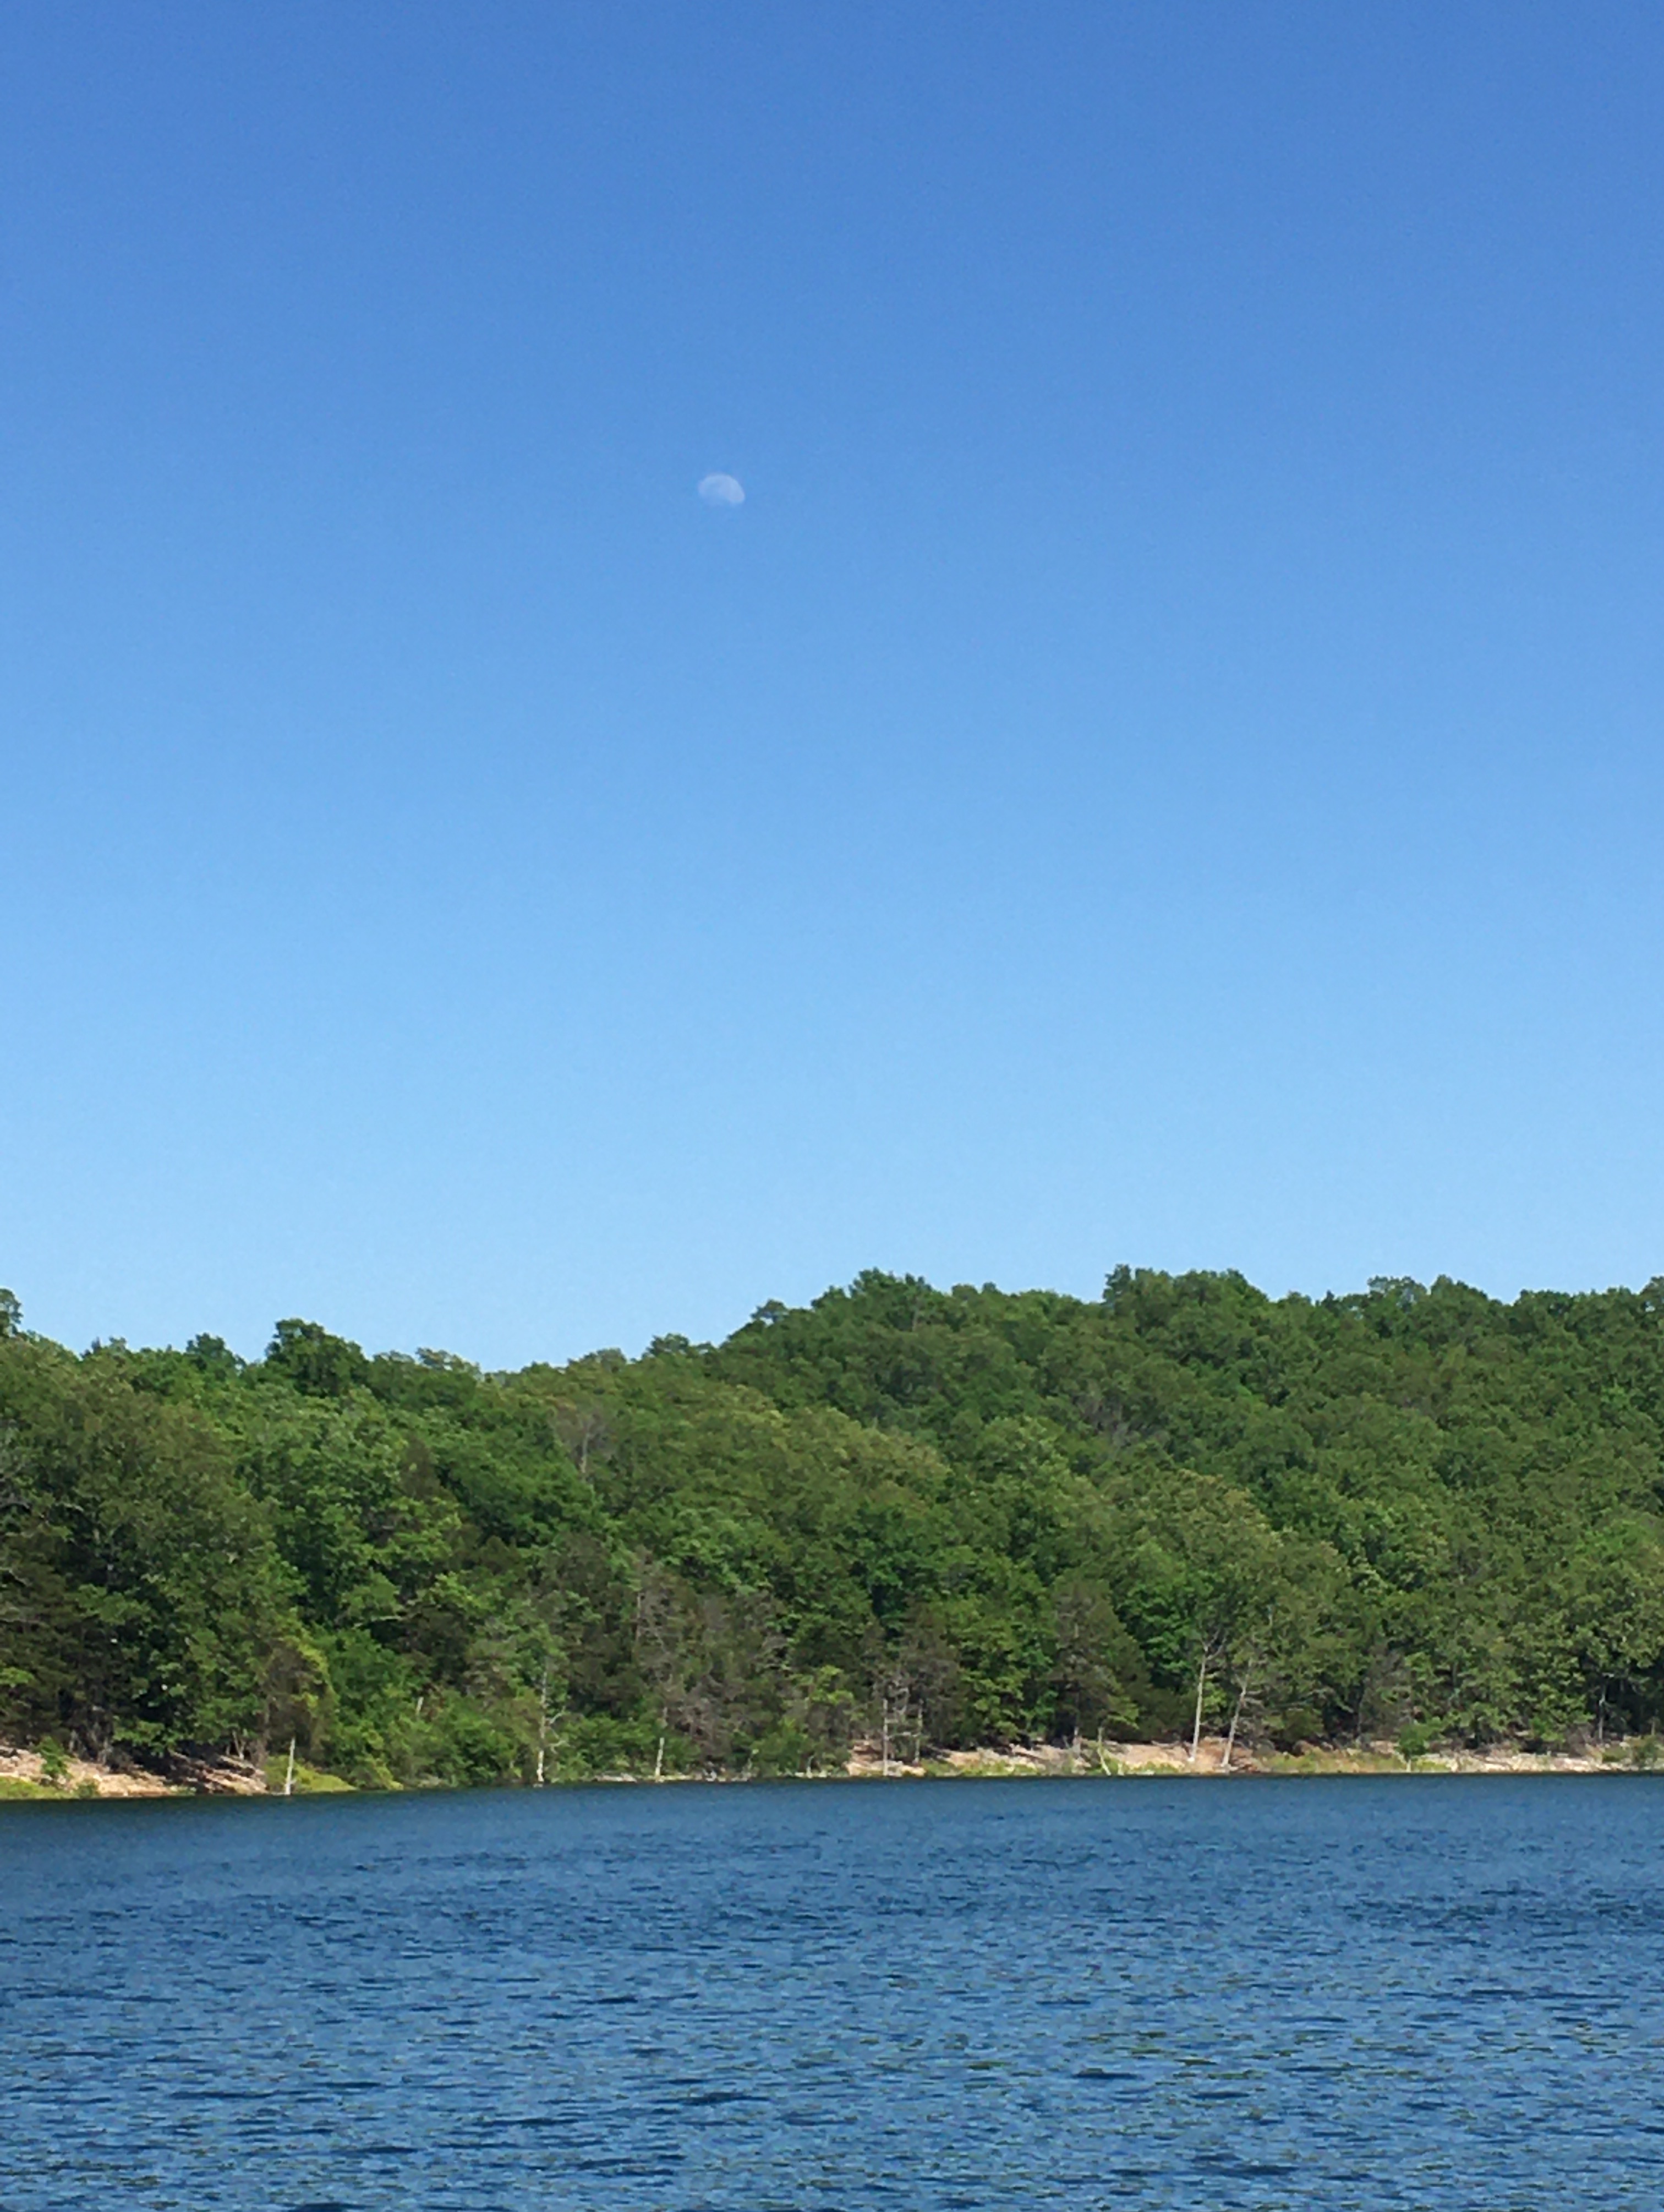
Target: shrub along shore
<point>883,1531</point>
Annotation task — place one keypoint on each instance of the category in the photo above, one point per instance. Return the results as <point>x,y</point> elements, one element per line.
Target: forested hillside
<point>968,1516</point>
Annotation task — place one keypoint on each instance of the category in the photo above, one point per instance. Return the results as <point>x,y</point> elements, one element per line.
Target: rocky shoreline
<point>1213,1761</point>
<point>26,1774</point>
<point>33,1774</point>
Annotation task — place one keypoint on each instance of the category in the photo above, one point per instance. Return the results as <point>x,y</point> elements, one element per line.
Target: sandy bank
<point>867,1762</point>
<point>27,1774</point>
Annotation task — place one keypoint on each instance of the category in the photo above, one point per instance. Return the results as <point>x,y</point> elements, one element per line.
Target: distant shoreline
<point>24,1775</point>
<point>1131,1759</point>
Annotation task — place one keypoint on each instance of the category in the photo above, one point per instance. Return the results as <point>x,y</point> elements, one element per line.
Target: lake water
<point>1434,1992</point>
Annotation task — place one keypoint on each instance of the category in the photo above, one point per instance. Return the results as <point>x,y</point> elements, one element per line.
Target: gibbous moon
<point>720,490</point>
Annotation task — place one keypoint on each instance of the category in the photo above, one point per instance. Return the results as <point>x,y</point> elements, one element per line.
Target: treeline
<point>947,1518</point>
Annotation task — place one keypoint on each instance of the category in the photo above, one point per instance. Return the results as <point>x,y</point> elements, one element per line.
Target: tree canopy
<point>959,1516</point>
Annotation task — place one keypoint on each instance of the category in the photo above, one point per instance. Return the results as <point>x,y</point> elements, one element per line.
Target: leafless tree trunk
<point>1236,1715</point>
<point>1212,1654</point>
<point>897,1707</point>
<point>1201,1686</point>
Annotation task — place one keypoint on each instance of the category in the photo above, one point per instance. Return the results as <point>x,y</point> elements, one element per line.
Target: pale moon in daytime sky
<point>720,490</point>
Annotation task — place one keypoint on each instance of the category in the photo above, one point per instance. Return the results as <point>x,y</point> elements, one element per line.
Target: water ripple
<point>1302,1997</point>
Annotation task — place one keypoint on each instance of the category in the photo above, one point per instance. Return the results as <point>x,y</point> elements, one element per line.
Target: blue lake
<point>1433,1992</point>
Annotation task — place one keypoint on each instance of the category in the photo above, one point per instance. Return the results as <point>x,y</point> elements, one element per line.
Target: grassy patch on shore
<point>309,1781</point>
<point>1331,1762</point>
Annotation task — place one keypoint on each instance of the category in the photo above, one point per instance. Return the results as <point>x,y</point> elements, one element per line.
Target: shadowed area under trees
<point>945,1518</point>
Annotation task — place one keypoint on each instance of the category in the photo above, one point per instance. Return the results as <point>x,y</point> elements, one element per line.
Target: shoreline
<point>1129,1760</point>
<point>24,1778</point>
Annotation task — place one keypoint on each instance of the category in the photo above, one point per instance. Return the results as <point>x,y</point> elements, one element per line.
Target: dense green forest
<point>964,1517</point>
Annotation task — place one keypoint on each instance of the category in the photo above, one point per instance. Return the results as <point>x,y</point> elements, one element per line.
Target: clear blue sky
<point>1164,766</point>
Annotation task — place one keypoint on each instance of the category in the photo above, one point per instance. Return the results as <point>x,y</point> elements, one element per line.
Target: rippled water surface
<point>1422,1992</point>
